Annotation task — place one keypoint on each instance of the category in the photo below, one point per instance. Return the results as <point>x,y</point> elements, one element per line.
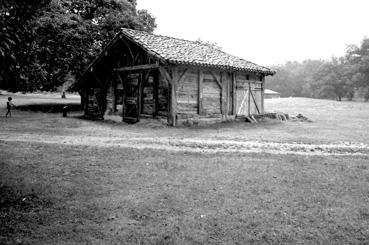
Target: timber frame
<point>131,80</point>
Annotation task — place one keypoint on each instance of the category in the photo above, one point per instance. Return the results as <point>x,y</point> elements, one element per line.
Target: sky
<point>266,32</point>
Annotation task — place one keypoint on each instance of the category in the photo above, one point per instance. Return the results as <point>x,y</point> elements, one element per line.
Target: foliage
<point>210,44</point>
<point>64,37</point>
<point>16,39</point>
<point>336,78</point>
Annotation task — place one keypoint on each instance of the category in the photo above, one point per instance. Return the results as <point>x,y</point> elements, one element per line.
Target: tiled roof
<point>179,51</point>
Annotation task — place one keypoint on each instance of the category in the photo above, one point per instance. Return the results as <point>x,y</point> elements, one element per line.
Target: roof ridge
<point>182,51</point>
<point>177,38</point>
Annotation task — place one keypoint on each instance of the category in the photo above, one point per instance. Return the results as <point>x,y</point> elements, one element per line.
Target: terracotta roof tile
<point>179,51</point>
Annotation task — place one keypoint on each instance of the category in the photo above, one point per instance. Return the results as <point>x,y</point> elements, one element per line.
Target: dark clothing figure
<point>9,106</point>
<point>63,95</point>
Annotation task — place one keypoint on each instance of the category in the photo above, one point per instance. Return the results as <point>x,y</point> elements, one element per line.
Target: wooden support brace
<point>182,75</point>
<point>166,75</point>
<point>126,44</point>
<point>256,105</point>
<point>216,79</point>
<point>172,95</point>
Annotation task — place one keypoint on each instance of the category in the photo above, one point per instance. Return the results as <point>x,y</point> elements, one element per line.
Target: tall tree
<point>358,59</point>
<point>16,38</point>
<point>69,33</point>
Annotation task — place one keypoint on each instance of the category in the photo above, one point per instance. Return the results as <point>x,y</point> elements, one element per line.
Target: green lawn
<point>62,193</point>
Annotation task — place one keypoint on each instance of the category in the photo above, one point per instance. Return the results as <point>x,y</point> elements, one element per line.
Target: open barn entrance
<point>138,95</point>
<point>131,101</point>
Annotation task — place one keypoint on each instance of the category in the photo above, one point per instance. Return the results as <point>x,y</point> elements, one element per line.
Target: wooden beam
<point>135,58</point>
<point>129,49</point>
<point>200,81</point>
<point>139,96</point>
<point>234,93</point>
<point>155,93</point>
<point>262,97</point>
<point>224,94</point>
<point>249,105</point>
<point>138,67</point>
<point>172,105</point>
<point>182,75</point>
<point>256,105</point>
<point>172,92</point>
<point>166,75</point>
<point>216,79</point>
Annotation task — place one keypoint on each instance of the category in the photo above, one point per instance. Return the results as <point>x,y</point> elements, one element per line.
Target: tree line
<point>46,43</point>
<point>337,78</point>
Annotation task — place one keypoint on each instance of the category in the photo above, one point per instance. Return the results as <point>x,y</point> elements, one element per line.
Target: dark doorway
<point>131,108</point>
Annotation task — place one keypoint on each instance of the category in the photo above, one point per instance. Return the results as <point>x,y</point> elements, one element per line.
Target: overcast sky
<point>266,31</point>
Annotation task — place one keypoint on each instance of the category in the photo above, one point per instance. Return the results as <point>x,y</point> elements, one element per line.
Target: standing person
<point>9,106</point>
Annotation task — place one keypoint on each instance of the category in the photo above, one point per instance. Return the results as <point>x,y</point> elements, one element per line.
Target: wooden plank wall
<point>148,96</point>
<point>211,94</point>
<point>187,92</point>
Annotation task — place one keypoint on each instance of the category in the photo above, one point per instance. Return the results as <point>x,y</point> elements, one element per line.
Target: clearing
<point>72,181</point>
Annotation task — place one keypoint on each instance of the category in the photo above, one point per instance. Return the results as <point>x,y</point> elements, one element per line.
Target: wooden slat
<point>138,67</point>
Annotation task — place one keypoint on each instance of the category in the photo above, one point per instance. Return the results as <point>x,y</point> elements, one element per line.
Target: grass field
<point>73,181</point>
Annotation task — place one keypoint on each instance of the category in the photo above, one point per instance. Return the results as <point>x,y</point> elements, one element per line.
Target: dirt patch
<point>197,144</point>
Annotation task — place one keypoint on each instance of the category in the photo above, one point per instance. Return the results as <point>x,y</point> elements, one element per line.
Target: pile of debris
<point>285,117</point>
<point>300,118</point>
<point>277,115</point>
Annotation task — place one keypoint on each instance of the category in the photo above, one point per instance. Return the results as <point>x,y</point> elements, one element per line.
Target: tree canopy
<point>56,39</point>
<point>336,78</point>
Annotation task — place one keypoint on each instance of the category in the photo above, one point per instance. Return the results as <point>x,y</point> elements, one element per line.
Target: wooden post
<point>249,104</point>
<point>234,93</point>
<point>124,93</point>
<point>173,97</point>
<point>262,96</point>
<point>200,81</point>
<point>224,100</point>
<point>139,99</point>
<point>155,93</point>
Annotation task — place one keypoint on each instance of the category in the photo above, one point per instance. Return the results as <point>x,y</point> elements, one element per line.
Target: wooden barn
<point>139,74</point>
